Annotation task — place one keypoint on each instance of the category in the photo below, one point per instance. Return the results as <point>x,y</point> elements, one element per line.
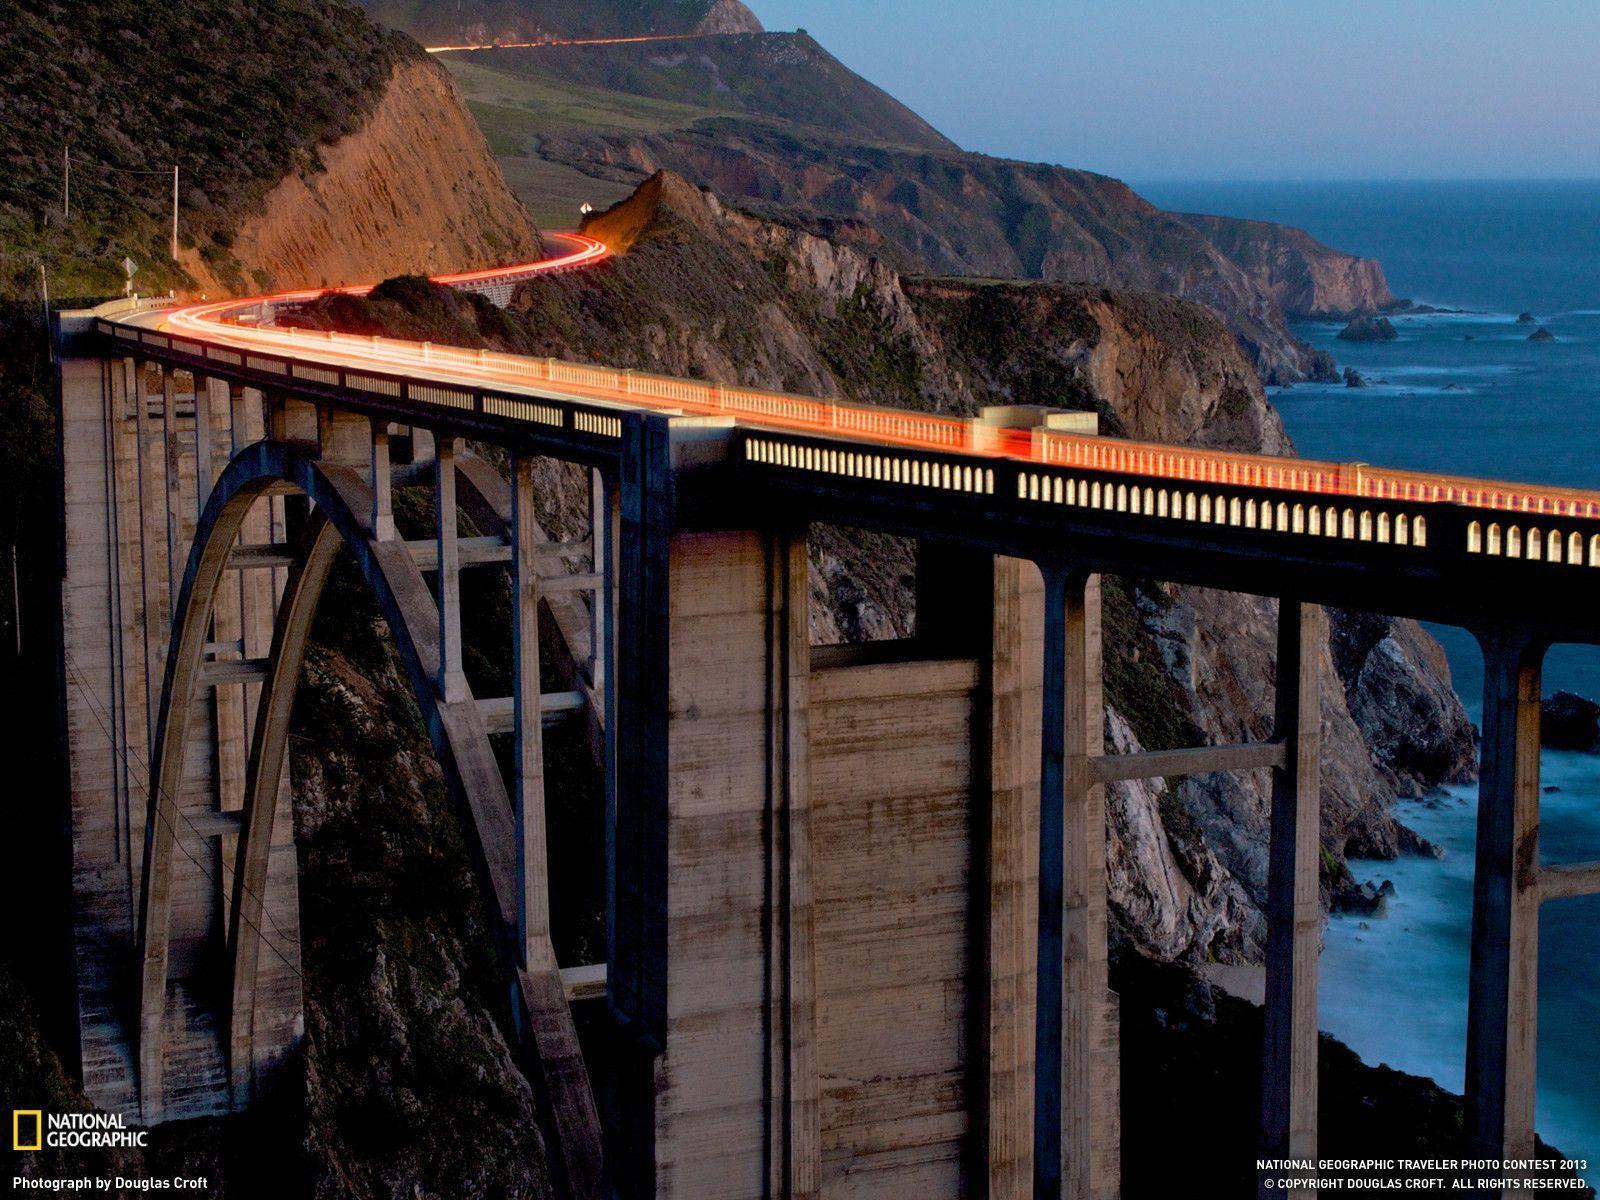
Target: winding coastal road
<point>245,324</point>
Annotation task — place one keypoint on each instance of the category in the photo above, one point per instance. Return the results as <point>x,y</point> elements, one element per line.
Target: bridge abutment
<point>853,887</point>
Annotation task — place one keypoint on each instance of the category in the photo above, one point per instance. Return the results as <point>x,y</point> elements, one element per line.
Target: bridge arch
<point>342,503</point>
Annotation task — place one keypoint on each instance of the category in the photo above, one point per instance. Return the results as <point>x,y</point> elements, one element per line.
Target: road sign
<point>130,267</point>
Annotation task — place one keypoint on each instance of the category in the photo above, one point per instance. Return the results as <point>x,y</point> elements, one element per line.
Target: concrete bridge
<point>856,909</point>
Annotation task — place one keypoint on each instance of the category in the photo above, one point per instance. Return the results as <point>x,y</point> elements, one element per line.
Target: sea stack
<point>1369,329</point>
<point>1569,721</point>
<point>1541,334</point>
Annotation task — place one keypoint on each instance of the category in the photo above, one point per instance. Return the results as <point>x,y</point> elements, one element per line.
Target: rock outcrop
<point>1309,281</point>
<point>707,291</point>
<point>1369,329</point>
<point>414,188</point>
<point>1541,334</point>
<point>949,212</point>
<point>1570,722</point>
<point>728,16</point>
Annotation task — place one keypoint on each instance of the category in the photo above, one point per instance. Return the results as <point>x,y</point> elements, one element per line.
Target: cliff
<point>777,124</point>
<point>1307,280</point>
<point>814,315</point>
<point>414,188</point>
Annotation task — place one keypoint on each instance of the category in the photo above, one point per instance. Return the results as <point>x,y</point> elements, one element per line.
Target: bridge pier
<point>1502,1002</point>
<point>1076,1132</point>
<point>1294,904</point>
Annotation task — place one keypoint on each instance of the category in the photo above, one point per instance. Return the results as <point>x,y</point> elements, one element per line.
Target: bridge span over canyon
<point>855,896</point>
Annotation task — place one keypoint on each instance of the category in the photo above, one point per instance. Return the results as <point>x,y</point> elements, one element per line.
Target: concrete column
<point>342,437</point>
<point>533,899</point>
<point>1075,1093</point>
<point>382,522</point>
<point>1502,1003</point>
<point>152,603</point>
<point>213,435</point>
<point>452,683</point>
<point>238,421</point>
<point>204,449</point>
<point>1294,909</point>
<point>172,473</point>
<point>794,1127</point>
<point>600,535</point>
<point>1014,669</point>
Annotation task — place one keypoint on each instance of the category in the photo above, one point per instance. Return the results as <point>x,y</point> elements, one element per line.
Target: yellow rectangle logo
<point>18,1116</point>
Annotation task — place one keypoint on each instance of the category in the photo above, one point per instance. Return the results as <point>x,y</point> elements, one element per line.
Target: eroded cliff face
<point>414,188</point>
<point>1307,279</point>
<point>710,292</point>
<point>950,212</point>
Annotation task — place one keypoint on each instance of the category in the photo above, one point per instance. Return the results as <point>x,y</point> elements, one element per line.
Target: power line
<point>66,186</point>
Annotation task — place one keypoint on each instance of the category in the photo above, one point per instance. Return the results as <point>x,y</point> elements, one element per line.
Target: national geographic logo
<point>24,1120</point>
<point>32,1129</point>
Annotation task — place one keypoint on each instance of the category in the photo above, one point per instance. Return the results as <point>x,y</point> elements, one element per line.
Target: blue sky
<point>1239,89</point>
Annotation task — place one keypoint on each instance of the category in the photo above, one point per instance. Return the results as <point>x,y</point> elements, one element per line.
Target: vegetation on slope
<point>132,90</point>
<point>783,77</point>
<point>473,21</point>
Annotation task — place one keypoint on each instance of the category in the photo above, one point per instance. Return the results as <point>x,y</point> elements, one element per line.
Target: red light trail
<point>217,322</point>
<point>539,45</point>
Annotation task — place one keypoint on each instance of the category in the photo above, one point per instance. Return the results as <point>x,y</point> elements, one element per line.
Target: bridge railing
<point>597,423</point>
<point>1418,529</point>
<point>1149,462</point>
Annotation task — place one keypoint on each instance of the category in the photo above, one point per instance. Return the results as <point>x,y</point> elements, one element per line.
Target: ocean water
<point>1464,392</point>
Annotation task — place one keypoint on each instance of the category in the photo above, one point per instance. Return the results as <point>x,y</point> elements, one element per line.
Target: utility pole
<point>16,600</point>
<point>174,212</point>
<point>66,183</point>
<point>44,293</point>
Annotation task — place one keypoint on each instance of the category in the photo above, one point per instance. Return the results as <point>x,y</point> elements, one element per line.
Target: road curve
<point>242,324</point>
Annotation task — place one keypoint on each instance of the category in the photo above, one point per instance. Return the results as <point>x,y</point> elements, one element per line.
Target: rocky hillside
<point>1306,279</point>
<point>413,188</point>
<point>777,124</point>
<point>310,144</point>
<point>707,291</point>
<point>473,22</point>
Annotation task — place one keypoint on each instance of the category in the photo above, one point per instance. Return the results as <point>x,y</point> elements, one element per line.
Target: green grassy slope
<point>434,22</point>
<point>783,77</point>
<point>133,89</point>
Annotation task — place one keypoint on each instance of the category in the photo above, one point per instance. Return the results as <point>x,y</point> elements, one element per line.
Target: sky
<point>1239,89</point>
